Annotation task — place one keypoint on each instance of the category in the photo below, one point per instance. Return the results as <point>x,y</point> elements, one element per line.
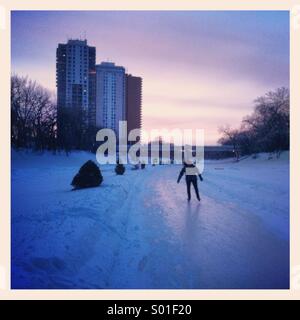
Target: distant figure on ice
<point>191,173</point>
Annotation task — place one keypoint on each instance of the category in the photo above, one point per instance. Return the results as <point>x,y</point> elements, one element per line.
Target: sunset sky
<point>200,69</point>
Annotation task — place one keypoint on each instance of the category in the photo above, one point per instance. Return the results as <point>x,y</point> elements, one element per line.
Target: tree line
<point>37,124</point>
<point>266,129</point>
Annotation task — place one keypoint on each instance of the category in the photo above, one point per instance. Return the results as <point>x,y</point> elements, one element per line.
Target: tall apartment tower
<point>133,102</point>
<point>76,77</point>
<point>110,96</point>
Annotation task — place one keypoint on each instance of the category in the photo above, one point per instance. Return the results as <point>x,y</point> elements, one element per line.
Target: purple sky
<point>200,69</point>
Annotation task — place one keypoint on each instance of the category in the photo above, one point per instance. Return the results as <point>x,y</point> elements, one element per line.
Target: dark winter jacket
<point>191,172</point>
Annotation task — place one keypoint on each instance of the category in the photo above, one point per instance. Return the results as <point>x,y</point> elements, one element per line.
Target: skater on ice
<point>191,173</point>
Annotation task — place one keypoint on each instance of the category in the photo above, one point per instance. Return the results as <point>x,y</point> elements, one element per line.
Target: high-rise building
<point>110,95</point>
<point>133,102</point>
<point>75,77</point>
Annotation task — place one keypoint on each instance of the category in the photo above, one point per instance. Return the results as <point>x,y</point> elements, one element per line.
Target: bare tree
<point>266,129</point>
<point>230,137</point>
<point>33,115</point>
<point>270,121</point>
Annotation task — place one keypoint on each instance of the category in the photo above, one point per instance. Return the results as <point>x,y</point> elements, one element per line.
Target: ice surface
<point>139,231</point>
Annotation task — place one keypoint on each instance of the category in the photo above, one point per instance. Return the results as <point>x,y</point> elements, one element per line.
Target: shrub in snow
<point>89,175</point>
<point>143,165</point>
<point>119,169</point>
